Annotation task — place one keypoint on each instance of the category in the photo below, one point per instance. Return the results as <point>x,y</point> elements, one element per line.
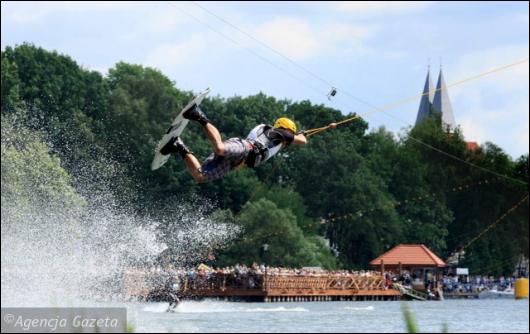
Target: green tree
<point>97,133</point>
<point>263,223</point>
<point>32,177</point>
<point>59,98</point>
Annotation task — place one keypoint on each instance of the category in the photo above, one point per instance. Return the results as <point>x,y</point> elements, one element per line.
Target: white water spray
<point>57,252</point>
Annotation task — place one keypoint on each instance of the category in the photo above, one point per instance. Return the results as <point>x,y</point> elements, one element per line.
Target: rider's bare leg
<point>215,138</point>
<point>193,165</point>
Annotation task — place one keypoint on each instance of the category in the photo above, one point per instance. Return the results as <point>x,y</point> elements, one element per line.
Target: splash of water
<point>220,307</point>
<point>54,254</point>
<point>367,308</point>
<point>57,257</point>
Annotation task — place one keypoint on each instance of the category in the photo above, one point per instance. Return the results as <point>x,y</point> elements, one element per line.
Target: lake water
<point>213,316</point>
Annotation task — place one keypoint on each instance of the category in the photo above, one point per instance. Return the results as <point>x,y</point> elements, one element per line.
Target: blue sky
<point>376,51</point>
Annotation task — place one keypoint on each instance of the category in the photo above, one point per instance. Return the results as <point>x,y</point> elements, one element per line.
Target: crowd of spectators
<point>475,284</point>
<point>242,276</point>
<point>238,276</point>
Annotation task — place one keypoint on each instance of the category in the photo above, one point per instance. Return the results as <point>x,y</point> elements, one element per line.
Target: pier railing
<point>353,283</point>
<point>269,286</point>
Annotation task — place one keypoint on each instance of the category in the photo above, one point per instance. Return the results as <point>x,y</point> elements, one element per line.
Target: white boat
<point>495,294</point>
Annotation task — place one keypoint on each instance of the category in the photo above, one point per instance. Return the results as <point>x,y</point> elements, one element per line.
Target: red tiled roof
<point>471,145</point>
<point>408,255</point>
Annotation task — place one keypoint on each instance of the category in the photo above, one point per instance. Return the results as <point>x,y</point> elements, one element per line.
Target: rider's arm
<point>300,139</point>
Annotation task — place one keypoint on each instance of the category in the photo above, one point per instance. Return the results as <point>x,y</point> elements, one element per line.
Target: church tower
<point>439,103</point>
<point>426,100</point>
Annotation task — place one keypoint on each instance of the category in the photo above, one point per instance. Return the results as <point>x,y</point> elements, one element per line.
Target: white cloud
<point>290,36</point>
<point>521,17</point>
<point>155,17</point>
<point>25,16</point>
<point>299,39</point>
<point>170,56</point>
<point>25,12</point>
<point>343,37</point>
<point>164,19</point>
<point>482,123</point>
<point>102,69</point>
<point>520,137</point>
<point>473,131</point>
<point>494,107</point>
<point>379,7</point>
<point>512,79</point>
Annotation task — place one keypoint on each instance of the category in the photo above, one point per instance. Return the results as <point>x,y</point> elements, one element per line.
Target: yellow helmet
<point>286,124</point>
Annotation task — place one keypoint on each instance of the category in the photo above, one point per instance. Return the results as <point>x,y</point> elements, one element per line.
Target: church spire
<point>426,99</point>
<point>442,104</point>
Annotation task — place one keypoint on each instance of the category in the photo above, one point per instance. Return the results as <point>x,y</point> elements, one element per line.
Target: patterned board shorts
<point>215,166</point>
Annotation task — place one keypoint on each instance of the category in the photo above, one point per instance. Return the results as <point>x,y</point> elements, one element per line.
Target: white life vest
<point>265,145</point>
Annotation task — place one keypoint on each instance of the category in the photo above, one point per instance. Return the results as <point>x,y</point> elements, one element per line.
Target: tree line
<point>339,201</point>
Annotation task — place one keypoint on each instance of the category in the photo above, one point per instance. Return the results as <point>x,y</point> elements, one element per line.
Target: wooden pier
<point>265,288</point>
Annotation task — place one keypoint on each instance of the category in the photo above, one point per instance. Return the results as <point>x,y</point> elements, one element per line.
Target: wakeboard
<point>176,128</point>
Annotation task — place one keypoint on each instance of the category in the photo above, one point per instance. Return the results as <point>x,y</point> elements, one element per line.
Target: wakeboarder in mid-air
<point>261,144</point>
